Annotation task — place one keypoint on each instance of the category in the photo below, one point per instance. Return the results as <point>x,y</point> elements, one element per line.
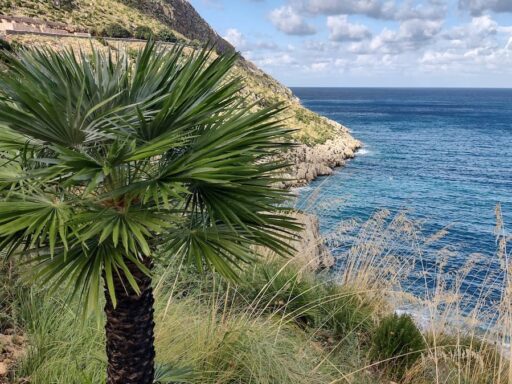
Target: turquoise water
<point>444,155</point>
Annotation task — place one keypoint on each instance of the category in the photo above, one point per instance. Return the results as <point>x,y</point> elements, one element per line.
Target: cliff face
<point>320,160</point>
<point>181,16</point>
<point>312,254</point>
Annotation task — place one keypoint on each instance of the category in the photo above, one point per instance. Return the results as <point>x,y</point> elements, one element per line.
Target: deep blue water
<point>445,155</point>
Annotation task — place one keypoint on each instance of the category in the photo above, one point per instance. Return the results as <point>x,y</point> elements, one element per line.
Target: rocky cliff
<point>181,16</point>
<point>312,254</point>
<point>309,162</point>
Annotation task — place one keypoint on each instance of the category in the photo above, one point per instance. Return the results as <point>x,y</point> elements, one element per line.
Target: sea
<point>441,156</point>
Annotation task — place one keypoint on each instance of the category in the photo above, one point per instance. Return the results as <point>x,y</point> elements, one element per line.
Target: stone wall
<point>11,24</point>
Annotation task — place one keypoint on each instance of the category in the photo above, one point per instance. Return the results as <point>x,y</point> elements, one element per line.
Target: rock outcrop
<point>312,254</point>
<point>309,162</point>
<point>181,16</point>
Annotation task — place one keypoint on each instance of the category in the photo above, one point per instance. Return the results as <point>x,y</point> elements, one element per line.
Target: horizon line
<point>394,87</point>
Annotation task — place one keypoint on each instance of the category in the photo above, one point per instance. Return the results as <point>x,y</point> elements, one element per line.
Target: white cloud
<point>236,38</point>
<point>415,38</point>
<point>411,35</point>
<point>320,66</point>
<point>373,8</point>
<point>481,31</point>
<point>509,44</point>
<point>342,30</point>
<point>377,9</point>
<point>477,7</point>
<point>279,59</point>
<point>287,20</point>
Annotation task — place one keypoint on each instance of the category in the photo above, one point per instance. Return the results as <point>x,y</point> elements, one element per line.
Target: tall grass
<point>468,336</point>
<point>209,330</point>
<point>284,324</point>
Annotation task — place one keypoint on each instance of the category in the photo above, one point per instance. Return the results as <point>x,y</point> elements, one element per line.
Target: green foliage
<point>283,290</point>
<point>63,4</point>
<point>115,30</point>
<point>166,35</point>
<point>62,348</point>
<point>143,32</point>
<point>345,312</point>
<point>397,343</point>
<point>106,159</point>
<point>307,300</point>
<point>196,343</point>
<point>165,374</point>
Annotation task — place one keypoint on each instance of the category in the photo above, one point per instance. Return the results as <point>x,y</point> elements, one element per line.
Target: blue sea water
<point>445,155</point>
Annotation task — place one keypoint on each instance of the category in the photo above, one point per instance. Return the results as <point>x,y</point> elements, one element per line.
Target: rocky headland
<point>309,162</point>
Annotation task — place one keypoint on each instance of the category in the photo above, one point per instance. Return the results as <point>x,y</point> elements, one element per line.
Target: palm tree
<point>105,160</point>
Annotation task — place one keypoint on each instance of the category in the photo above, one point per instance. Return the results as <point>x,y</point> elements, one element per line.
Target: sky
<point>371,43</point>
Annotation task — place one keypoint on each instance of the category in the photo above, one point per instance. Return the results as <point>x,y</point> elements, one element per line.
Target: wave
<point>365,152</point>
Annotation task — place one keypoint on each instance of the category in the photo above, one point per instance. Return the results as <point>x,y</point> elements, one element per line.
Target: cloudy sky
<point>457,43</point>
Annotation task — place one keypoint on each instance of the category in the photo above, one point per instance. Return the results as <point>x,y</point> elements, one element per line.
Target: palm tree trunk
<point>129,331</point>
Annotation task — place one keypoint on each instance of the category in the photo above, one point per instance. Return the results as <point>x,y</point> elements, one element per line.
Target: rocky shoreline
<point>309,162</point>
<point>312,254</point>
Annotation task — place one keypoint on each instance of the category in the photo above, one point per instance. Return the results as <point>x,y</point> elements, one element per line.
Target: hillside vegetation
<point>179,18</point>
<point>281,324</point>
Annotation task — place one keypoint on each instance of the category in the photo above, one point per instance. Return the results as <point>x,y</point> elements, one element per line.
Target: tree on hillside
<point>104,161</point>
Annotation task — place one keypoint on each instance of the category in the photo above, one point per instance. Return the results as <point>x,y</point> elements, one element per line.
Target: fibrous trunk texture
<point>129,331</point>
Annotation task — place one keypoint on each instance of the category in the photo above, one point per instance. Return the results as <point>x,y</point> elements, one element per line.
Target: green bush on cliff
<point>275,289</point>
<point>307,300</point>
<point>115,30</point>
<point>397,344</point>
<point>345,311</point>
<point>143,32</point>
<point>4,45</point>
<point>167,36</point>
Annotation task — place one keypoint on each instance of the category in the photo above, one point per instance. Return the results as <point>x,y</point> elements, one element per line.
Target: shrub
<point>459,359</point>
<point>397,343</point>
<point>282,290</point>
<point>167,35</point>
<point>116,30</point>
<point>143,32</point>
<point>308,300</point>
<point>344,311</point>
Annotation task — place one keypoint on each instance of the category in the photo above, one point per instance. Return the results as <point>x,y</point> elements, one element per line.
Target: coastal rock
<point>309,162</point>
<point>312,254</point>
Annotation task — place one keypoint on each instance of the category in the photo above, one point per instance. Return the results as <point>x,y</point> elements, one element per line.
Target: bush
<point>307,300</point>
<point>284,291</point>
<point>344,312</point>
<point>116,30</point>
<point>397,343</point>
<point>459,359</point>
<point>167,35</point>
<point>143,32</point>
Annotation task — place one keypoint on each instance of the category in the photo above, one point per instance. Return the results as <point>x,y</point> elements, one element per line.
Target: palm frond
<point>105,159</point>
